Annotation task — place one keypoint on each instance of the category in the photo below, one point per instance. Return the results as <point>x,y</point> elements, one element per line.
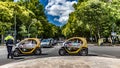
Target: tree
<point>4,27</point>
<point>6,0</point>
<point>93,18</point>
<point>8,10</point>
<point>36,28</point>
<point>45,29</point>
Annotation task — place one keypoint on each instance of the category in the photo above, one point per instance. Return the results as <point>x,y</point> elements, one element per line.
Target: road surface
<point>104,51</point>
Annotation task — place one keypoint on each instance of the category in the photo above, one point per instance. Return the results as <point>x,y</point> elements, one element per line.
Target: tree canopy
<point>93,18</point>
<point>26,15</point>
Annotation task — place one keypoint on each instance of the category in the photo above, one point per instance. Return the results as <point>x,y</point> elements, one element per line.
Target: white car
<point>47,43</point>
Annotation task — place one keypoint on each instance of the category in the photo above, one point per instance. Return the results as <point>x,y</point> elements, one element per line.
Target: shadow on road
<point>18,58</point>
<point>92,55</point>
<point>50,55</point>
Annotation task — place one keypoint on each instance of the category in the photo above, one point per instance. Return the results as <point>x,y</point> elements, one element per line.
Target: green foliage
<point>36,29</point>
<point>93,18</point>
<point>9,11</point>
<point>23,30</point>
<point>4,27</point>
<point>6,0</point>
<point>28,14</point>
<point>39,26</point>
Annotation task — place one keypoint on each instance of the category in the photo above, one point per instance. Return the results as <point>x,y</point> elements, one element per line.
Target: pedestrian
<point>9,44</point>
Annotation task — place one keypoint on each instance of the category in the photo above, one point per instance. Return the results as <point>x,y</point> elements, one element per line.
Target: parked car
<point>47,42</point>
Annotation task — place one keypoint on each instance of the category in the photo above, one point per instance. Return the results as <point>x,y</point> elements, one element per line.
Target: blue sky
<point>57,11</point>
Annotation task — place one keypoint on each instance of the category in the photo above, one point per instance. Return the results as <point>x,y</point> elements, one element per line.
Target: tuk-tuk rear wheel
<point>62,52</point>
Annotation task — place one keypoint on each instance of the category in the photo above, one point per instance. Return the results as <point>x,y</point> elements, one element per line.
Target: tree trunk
<point>91,35</point>
<point>98,34</point>
<point>95,38</point>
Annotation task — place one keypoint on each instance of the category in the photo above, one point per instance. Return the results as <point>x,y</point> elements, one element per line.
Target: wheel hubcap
<point>83,53</point>
<point>16,53</point>
<point>37,52</point>
<point>62,52</point>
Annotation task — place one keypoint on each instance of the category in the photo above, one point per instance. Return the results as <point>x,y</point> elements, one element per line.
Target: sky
<point>57,11</point>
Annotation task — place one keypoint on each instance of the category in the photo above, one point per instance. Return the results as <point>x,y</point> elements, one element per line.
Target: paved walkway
<point>67,62</point>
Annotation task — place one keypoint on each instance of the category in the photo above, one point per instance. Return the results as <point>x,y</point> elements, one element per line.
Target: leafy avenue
<point>91,18</point>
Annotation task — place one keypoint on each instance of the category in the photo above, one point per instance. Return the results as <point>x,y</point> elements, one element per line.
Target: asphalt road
<point>104,51</point>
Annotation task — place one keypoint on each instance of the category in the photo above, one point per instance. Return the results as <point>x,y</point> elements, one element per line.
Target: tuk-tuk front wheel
<point>84,52</point>
<point>16,53</point>
<point>37,52</point>
<point>62,52</point>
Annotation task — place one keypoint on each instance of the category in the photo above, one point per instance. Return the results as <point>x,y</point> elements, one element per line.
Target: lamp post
<point>29,29</point>
<point>15,26</point>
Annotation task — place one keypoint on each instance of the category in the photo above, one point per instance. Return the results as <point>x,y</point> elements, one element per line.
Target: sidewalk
<point>2,48</point>
<point>92,44</point>
<point>2,44</point>
<point>109,44</point>
<point>104,44</point>
<point>67,62</point>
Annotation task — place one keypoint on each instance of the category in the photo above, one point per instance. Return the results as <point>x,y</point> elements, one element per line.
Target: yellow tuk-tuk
<point>75,45</point>
<point>27,46</point>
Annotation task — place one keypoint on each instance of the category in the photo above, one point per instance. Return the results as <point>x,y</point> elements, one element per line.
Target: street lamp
<point>29,29</point>
<point>15,26</point>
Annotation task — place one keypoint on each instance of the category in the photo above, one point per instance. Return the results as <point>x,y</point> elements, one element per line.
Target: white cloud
<point>16,0</point>
<point>62,19</point>
<point>61,8</point>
